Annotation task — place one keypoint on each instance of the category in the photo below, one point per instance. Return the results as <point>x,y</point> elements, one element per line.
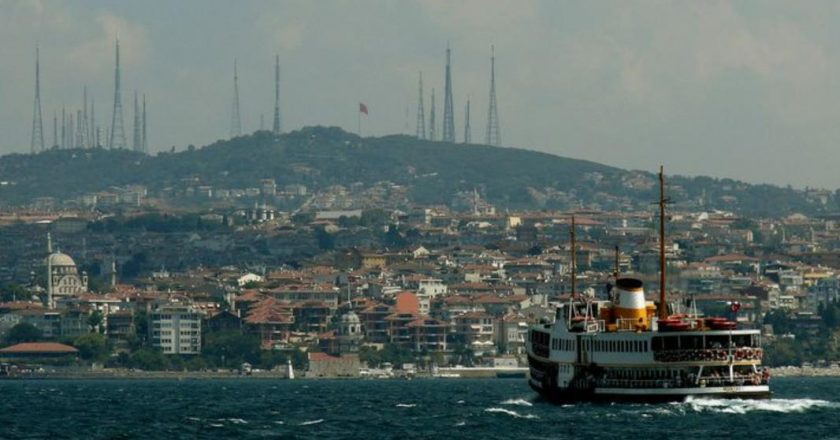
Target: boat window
<point>742,340</point>
<point>717,341</point>
<point>692,342</point>
<point>671,342</point>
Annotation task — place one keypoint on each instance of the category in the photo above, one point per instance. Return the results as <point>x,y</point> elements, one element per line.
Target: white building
<point>427,290</point>
<point>176,329</point>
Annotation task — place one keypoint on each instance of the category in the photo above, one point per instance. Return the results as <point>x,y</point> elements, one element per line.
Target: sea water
<point>802,408</point>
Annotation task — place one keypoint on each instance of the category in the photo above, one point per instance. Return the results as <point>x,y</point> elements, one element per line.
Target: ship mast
<point>663,309</point>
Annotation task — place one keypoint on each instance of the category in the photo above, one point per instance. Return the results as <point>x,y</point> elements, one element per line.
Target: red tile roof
<point>38,348</point>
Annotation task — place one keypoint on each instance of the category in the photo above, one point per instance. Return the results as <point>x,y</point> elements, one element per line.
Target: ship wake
<point>736,406</point>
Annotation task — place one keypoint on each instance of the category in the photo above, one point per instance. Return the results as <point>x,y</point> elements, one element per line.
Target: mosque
<point>63,278</point>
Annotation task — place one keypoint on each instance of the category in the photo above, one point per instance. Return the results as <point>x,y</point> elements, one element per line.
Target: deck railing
<point>709,355</point>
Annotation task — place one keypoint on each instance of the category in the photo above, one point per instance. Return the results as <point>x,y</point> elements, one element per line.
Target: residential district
<point>351,281</point>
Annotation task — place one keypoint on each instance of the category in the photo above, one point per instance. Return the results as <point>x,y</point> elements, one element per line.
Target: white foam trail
<point>520,402</point>
<point>736,406</point>
<point>311,422</point>
<point>461,423</point>
<point>238,421</point>
<point>406,405</point>
<point>216,425</point>
<point>510,413</point>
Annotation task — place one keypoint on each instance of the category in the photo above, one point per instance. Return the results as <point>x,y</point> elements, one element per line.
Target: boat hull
<point>651,395</point>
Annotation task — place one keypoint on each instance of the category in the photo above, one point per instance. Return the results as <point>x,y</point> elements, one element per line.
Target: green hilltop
<point>433,172</point>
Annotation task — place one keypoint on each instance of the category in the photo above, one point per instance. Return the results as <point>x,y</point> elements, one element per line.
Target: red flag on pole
<point>363,108</point>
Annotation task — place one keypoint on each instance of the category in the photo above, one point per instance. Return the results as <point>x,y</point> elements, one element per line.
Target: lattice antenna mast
<point>432,134</point>
<point>145,143</point>
<point>137,140</point>
<point>55,130</point>
<point>467,128</point>
<point>85,120</point>
<point>493,135</point>
<point>37,143</point>
<point>421,113</point>
<point>235,119</point>
<point>448,109</point>
<point>117,137</point>
<point>94,130</point>
<point>277,128</point>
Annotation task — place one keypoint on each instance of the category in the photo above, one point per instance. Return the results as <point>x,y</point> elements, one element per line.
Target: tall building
<point>37,143</point>
<point>175,329</point>
<point>421,113</point>
<point>235,118</point>
<point>448,109</point>
<point>277,127</point>
<point>116,138</point>
<point>494,136</point>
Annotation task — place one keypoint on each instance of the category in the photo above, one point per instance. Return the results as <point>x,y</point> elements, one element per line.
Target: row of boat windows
<point>604,346</point>
<point>563,344</point>
<point>616,346</point>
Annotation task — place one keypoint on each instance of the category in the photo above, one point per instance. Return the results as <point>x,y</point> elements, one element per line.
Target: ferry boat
<point>631,349</point>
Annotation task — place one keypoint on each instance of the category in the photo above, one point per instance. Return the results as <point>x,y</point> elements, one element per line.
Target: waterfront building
<point>176,329</point>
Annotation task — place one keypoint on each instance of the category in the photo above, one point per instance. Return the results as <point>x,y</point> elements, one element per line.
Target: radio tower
<point>448,111</point>
<point>145,143</point>
<point>85,120</point>
<point>117,136</point>
<point>55,130</point>
<point>276,127</point>
<point>493,136</point>
<point>235,119</point>
<point>432,133</point>
<point>467,129</point>
<point>421,113</point>
<point>37,123</point>
<point>137,141</point>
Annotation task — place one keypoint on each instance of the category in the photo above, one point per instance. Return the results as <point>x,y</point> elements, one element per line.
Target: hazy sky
<point>745,89</point>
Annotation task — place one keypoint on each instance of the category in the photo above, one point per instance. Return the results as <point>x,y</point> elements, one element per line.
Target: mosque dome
<point>58,259</point>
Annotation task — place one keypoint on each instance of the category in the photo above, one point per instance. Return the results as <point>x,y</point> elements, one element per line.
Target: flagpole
<point>359,115</point>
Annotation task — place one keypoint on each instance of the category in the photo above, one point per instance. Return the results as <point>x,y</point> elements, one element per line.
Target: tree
<point>95,320</point>
<point>148,359</point>
<point>231,348</point>
<point>23,332</point>
<point>92,346</point>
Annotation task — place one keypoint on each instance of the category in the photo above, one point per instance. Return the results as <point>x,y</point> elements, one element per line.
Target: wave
<point>406,405</point>
<point>461,423</point>
<point>519,402</point>
<point>510,413</point>
<point>736,406</point>
<point>311,422</point>
<point>238,421</point>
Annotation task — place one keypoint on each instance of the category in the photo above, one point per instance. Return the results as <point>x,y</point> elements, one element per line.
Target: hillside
<point>434,171</point>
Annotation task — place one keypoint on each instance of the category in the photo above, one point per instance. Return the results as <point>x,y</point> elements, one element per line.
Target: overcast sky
<point>745,89</point>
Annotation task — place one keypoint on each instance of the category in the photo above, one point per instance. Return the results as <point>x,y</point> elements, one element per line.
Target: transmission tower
<point>235,119</point>
<point>37,143</point>
<point>94,130</point>
<point>136,141</point>
<point>493,135</point>
<point>421,113</point>
<point>145,143</point>
<point>448,109</point>
<point>85,120</point>
<point>277,128</point>
<point>432,134</point>
<point>55,130</point>
<point>467,129</point>
<point>116,139</point>
<point>63,129</point>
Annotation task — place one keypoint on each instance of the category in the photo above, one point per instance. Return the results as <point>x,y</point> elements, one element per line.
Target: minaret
<point>448,109</point>
<point>80,134</point>
<point>117,136</point>
<point>467,129</point>
<point>49,272</point>
<point>235,119</point>
<point>421,113</point>
<point>493,135</point>
<point>432,134</point>
<point>137,141</point>
<point>145,143</point>
<point>37,143</point>
<point>276,127</point>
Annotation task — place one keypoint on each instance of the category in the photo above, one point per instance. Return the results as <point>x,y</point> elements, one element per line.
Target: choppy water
<point>475,409</point>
